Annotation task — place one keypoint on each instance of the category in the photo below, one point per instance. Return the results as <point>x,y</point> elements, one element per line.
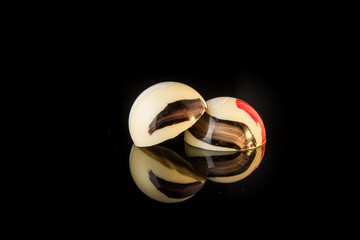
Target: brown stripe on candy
<point>175,190</point>
<point>223,133</point>
<point>177,112</point>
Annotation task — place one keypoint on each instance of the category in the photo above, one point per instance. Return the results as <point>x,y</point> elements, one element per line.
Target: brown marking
<point>223,133</point>
<point>176,112</point>
<point>175,190</point>
<point>172,161</point>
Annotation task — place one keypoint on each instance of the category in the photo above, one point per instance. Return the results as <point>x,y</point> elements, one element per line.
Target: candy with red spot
<point>227,124</point>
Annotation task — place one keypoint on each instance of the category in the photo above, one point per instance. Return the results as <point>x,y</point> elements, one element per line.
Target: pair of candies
<point>166,109</point>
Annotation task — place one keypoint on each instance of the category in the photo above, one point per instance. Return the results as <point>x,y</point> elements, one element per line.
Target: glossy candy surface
<point>225,167</point>
<point>163,111</point>
<point>163,175</point>
<point>228,124</point>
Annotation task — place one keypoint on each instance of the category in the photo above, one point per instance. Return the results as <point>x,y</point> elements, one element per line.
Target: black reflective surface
<point>277,88</point>
<point>279,71</point>
<point>278,181</point>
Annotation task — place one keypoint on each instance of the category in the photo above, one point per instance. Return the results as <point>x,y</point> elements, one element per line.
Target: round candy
<point>228,124</point>
<point>225,167</point>
<point>163,111</point>
<point>163,175</point>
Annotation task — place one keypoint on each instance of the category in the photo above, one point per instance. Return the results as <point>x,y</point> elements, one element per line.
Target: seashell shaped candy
<point>228,124</point>
<point>163,111</point>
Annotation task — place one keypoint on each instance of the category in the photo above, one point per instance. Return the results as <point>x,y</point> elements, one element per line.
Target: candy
<point>225,167</point>
<point>163,111</point>
<point>228,124</point>
<point>163,175</point>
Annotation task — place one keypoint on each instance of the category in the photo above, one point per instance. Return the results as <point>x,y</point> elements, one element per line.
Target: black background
<point>276,74</point>
<point>274,81</point>
<point>104,61</point>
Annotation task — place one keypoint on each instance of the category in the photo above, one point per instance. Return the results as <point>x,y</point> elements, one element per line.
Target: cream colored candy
<point>163,175</point>
<point>163,111</point>
<point>228,124</point>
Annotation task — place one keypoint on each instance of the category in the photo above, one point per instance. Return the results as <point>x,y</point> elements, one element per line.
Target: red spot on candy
<point>253,114</point>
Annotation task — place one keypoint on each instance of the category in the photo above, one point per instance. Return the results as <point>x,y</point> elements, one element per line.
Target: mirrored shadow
<point>163,175</point>
<point>224,167</point>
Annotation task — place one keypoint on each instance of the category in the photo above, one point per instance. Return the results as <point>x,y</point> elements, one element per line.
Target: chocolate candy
<point>163,111</point>
<point>228,124</point>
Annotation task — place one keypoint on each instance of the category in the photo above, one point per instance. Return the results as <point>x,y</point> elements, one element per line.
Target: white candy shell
<point>163,111</point>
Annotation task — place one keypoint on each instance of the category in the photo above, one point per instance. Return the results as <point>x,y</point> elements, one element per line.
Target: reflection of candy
<point>163,175</point>
<point>225,167</point>
<point>228,124</point>
<point>163,111</point>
